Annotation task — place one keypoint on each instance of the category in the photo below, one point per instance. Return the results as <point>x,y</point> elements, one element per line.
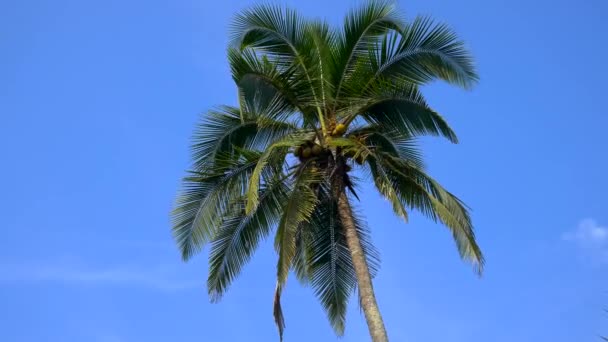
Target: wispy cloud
<point>590,236</point>
<point>162,278</point>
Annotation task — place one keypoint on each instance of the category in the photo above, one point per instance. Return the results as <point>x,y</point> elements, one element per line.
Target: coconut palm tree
<point>321,109</point>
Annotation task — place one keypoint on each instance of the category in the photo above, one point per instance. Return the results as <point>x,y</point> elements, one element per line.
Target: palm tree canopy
<point>339,99</point>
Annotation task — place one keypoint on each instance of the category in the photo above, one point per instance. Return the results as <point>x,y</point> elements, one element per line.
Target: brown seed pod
<point>316,150</point>
<point>306,152</point>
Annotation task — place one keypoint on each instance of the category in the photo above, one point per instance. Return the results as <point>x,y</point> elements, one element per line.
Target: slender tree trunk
<point>366,290</point>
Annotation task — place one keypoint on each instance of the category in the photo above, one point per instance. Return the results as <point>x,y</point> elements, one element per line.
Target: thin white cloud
<point>159,278</point>
<point>588,232</point>
<point>590,236</point>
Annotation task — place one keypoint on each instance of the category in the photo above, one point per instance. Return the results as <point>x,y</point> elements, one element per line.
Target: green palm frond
<point>322,38</point>
<point>220,131</point>
<point>390,141</point>
<point>273,30</point>
<point>297,210</point>
<point>423,51</point>
<point>257,75</point>
<point>386,188</point>
<point>362,28</point>
<point>239,235</point>
<point>352,145</point>
<point>205,198</point>
<point>400,106</point>
<point>332,274</point>
<point>275,150</point>
<point>285,38</point>
<point>419,191</point>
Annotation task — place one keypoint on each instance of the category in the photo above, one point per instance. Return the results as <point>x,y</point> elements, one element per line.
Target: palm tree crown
<point>317,103</point>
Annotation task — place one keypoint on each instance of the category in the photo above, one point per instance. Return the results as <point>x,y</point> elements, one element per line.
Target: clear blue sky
<point>98,100</point>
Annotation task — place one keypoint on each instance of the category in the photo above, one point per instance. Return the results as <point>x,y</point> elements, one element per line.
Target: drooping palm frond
<point>419,191</point>
<point>205,198</point>
<point>391,141</point>
<point>297,210</point>
<point>399,106</point>
<point>405,185</point>
<point>332,274</point>
<point>386,187</point>
<point>239,235</point>
<point>280,147</point>
<point>223,129</point>
<point>423,51</point>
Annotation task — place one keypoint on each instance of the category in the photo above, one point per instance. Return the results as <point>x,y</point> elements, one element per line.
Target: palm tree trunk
<point>366,290</point>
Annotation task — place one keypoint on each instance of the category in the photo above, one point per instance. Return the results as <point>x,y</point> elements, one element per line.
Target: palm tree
<point>317,107</point>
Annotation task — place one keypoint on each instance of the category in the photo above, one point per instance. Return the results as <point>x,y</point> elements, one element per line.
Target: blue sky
<point>98,101</point>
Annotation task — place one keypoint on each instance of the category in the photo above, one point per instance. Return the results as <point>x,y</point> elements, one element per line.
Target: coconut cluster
<point>309,150</point>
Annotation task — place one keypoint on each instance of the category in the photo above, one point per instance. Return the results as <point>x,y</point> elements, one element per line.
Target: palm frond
<point>390,141</point>
<point>419,191</point>
<point>271,29</point>
<point>283,36</point>
<point>362,28</point>
<point>221,130</point>
<point>332,274</point>
<point>278,148</point>
<point>423,51</point>
<point>257,76</point>
<point>239,235</point>
<point>399,106</point>
<point>386,188</point>
<point>277,311</point>
<point>204,199</point>
<point>297,210</point>
<point>322,38</point>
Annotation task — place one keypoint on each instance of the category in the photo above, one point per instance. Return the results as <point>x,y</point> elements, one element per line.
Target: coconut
<point>316,150</point>
<point>306,152</point>
<point>297,151</point>
<point>339,130</point>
